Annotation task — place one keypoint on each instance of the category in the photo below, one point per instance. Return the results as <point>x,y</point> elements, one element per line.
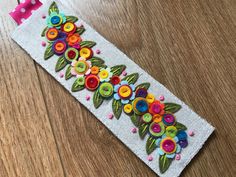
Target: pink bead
<point>110,116</point>
<point>150,158</point>
<point>98,51</point>
<point>190,133</point>
<point>43,16</point>
<point>134,130</point>
<point>61,75</point>
<point>87,97</point>
<point>161,98</point>
<point>177,157</point>
<point>124,73</point>
<point>44,44</point>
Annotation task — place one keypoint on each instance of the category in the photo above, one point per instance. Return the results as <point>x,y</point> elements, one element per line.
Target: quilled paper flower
<point>168,146</point>
<point>59,47</point>
<point>171,131</point>
<point>52,34</point>
<point>150,98</point>
<point>157,118</point>
<point>86,52</point>
<point>55,20</point>
<point>168,119</point>
<point>68,27</point>
<point>71,54</point>
<point>147,117</point>
<point>92,82</point>
<point>141,92</point>
<point>128,108</point>
<point>156,108</point>
<point>105,74</point>
<point>73,39</point>
<point>115,80</point>
<point>106,90</point>
<point>124,92</point>
<point>95,70</point>
<point>156,129</point>
<point>81,67</point>
<point>140,105</point>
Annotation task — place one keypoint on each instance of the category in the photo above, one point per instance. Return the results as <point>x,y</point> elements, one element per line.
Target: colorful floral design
<point>81,67</point>
<point>55,19</point>
<point>105,74</point>
<point>168,146</point>
<point>152,117</point>
<point>124,92</point>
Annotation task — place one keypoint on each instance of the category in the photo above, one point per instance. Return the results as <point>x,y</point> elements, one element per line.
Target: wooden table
<point>189,46</point>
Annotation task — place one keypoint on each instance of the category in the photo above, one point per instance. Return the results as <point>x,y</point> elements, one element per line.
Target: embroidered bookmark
<point>159,128</point>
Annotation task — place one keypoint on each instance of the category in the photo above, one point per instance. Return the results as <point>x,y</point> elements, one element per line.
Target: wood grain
<point>189,46</point>
<point>27,144</point>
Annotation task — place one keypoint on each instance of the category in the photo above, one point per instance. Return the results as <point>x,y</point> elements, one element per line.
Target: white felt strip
<point>28,36</point>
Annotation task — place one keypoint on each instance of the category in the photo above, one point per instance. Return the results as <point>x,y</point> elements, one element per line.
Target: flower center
<point>52,33</point>
<point>156,128</point>
<point>104,74</point>
<point>168,145</point>
<point>92,82</point>
<point>147,117</point>
<point>68,27</point>
<point>115,80</point>
<point>125,91</point>
<point>142,106</point>
<point>59,46</point>
<point>156,108</point>
<point>86,52</point>
<point>128,108</point>
<point>71,54</point>
<point>73,39</point>
<point>168,119</point>
<point>106,90</point>
<point>81,67</point>
<point>55,20</point>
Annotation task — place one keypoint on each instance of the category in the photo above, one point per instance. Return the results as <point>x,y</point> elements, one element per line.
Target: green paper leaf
<point>143,129</point>
<point>53,8</point>
<point>44,31</point>
<point>76,87</point>
<point>117,70</point>
<point>180,126</point>
<point>68,74</point>
<point>135,119</point>
<point>164,163</point>
<point>145,85</point>
<point>117,108</point>
<point>102,66</point>
<point>80,30</point>
<point>96,61</point>
<point>48,52</point>
<point>150,145</point>
<point>97,99</point>
<point>172,107</point>
<point>88,44</point>
<point>72,19</point>
<point>61,63</point>
<point>132,78</point>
